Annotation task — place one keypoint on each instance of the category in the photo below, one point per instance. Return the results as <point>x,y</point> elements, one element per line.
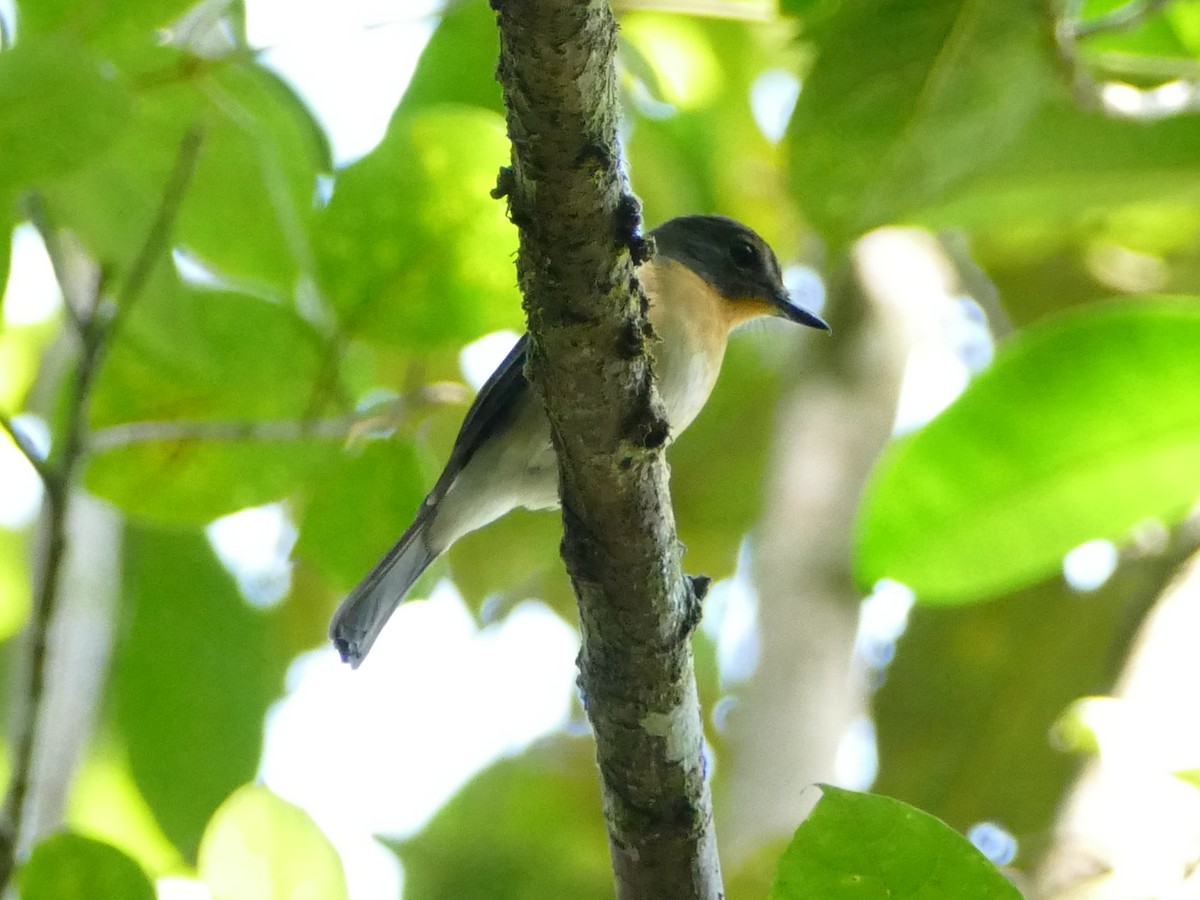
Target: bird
<point>707,275</point>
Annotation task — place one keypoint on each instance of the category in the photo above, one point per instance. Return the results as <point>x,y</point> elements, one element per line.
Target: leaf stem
<point>28,450</point>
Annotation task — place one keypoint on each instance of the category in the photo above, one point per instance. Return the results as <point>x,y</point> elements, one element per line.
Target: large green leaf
<point>458,65</point>
<point>361,504</point>
<point>412,250</point>
<point>249,203</point>
<point>58,109</point>
<point>906,98</point>
<point>866,847</point>
<point>70,866</point>
<point>260,847</point>
<point>192,356</point>
<point>89,19</point>
<point>195,670</point>
<point>526,828</point>
<point>1069,162</point>
<point>1082,427</point>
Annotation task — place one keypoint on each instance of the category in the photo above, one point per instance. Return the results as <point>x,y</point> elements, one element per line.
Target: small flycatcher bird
<point>708,275</point>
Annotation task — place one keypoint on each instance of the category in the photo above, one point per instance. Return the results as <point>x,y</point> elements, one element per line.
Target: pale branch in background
<point>383,417</point>
<point>95,328</point>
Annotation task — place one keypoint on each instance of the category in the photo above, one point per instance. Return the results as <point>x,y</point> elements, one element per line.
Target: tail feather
<point>366,609</point>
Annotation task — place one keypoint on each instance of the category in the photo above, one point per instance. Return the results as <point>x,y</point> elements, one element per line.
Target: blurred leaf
<point>1191,776</point>
<point>250,208</point>
<point>908,97</point>
<point>72,867</point>
<point>87,19</point>
<point>6,246</point>
<point>1069,163</point>
<point>194,673</point>
<point>864,846</point>
<point>249,204</point>
<point>361,504</point>
<point>105,802</point>
<point>526,828</point>
<point>192,482</point>
<point>191,355</point>
<point>717,466</point>
<point>458,65</point>
<point>1084,426</point>
<point>964,713</point>
<point>412,249</point>
<point>16,588</point>
<point>719,157</point>
<point>58,110</point>
<point>513,559</point>
<point>260,847</point>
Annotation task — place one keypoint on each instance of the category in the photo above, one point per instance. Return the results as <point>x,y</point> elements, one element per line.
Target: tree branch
<point>28,450</point>
<point>588,360</point>
<point>96,331</point>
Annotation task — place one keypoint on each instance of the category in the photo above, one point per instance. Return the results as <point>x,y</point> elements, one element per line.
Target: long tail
<point>367,608</point>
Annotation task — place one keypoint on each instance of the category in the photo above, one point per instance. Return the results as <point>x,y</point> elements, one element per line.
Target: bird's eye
<point>743,254</point>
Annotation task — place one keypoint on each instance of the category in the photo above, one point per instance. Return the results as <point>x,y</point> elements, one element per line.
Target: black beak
<point>798,314</point>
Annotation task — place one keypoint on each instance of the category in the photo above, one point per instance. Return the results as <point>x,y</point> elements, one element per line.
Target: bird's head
<point>738,264</point>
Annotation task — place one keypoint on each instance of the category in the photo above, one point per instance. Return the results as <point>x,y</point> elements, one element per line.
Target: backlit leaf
<point>194,672</point>
<point>412,249</point>
<point>58,110</point>
<point>906,98</point>
<point>1082,427</point>
<point>260,847</point>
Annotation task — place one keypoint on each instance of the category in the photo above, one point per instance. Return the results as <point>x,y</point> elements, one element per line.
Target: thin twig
<point>384,417</point>
<point>27,448</point>
<point>158,236</point>
<point>1122,18</point>
<point>67,454</point>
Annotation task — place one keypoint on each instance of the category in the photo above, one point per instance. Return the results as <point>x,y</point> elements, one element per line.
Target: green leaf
<point>249,204</point>
<point>260,847</point>
<point>194,673</point>
<point>70,866</point>
<point>1070,162</point>
<point>412,250</point>
<point>906,98</point>
<point>123,16</point>
<point>863,846</point>
<point>58,110</point>
<point>193,356</point>
<point>458,65</point>
<point>963,715</point>
<point>250,209</point>
<point>527,828</point>
<point>1082,427</point>
<point>371,494</point>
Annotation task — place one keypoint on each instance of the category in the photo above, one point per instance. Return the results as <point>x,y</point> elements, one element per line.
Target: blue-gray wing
<point>496,405</point>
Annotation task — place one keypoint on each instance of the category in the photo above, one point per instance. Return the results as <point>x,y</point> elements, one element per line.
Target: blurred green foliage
<point>322,288</point>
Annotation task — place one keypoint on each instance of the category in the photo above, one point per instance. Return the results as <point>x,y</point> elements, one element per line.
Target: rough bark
<point>588,361</point>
